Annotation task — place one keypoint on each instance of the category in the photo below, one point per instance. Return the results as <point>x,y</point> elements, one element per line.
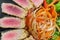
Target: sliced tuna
<point>14,34</point>
<point>37,3</point>
<point>29,38</point>
<point>12,9</point>
<point>24,3</point>
<point>11,22</point>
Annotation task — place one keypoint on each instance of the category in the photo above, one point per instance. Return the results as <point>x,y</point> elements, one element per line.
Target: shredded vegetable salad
<point>44,22</point>
<point>40,19</point>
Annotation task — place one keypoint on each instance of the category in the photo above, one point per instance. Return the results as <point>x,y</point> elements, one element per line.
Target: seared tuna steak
<point>29,38</point>
<point>11,22</point>
<point>14,34</point>
<point>12,9</point>
<point>24,3</point>
<point>37,3</point>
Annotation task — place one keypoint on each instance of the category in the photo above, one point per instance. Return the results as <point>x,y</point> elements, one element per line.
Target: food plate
<point>40,19</point>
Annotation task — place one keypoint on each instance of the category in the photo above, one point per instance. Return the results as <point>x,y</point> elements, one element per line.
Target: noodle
<point>43,21</point>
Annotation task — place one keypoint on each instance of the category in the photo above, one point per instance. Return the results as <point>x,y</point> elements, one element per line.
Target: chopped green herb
<point>57,7</point>
<point>49,1</point>
<point>58,21</point>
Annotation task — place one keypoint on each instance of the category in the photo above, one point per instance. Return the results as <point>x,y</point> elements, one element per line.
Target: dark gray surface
<point>3,15</point>
<point>5,1</point>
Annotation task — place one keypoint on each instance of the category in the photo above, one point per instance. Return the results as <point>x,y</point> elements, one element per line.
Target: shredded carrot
<point>53,13</point>
<point>45,16</point>
<point>48,34</point>
<point>45,4</point>
<point>58,38</point>
<point>38,12</point>
<point>28,17</point>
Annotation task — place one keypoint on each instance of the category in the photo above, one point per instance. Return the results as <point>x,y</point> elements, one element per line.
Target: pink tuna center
<point>23,2</point>
<point>37,2</point>
<point>10,35</point>
<point>13,10</point>
<point>11,22</point>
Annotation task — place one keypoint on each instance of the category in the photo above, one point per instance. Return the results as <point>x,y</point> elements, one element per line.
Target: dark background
<point>3,15</point>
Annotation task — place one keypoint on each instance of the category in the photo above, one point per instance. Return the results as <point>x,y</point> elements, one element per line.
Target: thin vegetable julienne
<point>40,20</point>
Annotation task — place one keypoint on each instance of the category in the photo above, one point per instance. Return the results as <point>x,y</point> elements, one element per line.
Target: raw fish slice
<point>24,3</point>
<point>37,3</point>
<point>29,38</point>
<point>14,34</point>
<point>12,9</point>
<point>11,22</point>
